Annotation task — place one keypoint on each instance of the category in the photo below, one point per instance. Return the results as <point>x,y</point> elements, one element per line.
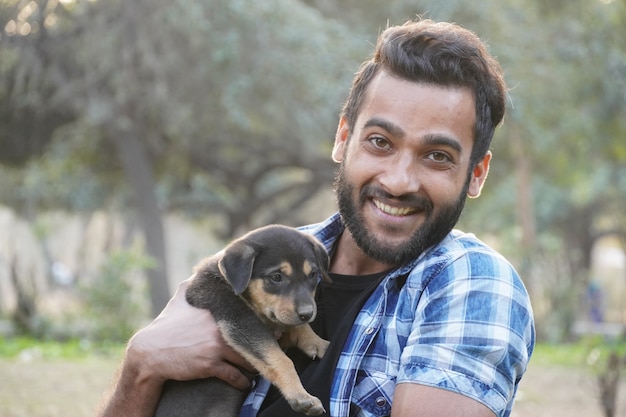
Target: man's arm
<point>134,393</point>
<point>182,343</point>
<point>473,337</point>
<point>411,400</point>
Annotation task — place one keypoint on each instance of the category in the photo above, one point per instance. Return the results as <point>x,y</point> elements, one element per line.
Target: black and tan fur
<point>262,283</point>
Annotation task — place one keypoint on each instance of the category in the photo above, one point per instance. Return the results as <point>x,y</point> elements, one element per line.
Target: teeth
<point>394,211</point>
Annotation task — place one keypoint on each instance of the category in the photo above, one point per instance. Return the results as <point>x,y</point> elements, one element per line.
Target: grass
<point>68,379</point>
<point>49,378</point>
<point>587,353</point>
<point>584,353</point>
<point>14,347</point>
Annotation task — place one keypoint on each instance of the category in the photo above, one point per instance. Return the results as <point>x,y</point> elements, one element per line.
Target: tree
<point>208,94</point>
<point>196,101</point>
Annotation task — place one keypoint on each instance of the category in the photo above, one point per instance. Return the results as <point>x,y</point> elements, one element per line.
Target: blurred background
<point>137,137</point>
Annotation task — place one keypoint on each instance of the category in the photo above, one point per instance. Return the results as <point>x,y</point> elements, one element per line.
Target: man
<point>423,320</point>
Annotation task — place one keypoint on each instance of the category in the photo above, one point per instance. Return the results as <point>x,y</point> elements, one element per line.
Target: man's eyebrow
<point>390,127</point>
<point>445,140</point>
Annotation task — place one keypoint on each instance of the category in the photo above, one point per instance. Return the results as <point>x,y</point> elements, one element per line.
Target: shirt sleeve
<point>473,330</point>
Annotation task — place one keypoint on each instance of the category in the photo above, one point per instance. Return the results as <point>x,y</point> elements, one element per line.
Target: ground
<point>37,387</point>
<point>53,387</point>
<point>556,391</point>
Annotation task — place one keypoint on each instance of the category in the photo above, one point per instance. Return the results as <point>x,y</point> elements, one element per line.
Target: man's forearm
<point>134,394</point>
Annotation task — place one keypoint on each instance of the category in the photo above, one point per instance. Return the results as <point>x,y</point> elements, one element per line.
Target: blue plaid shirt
<point>461,322</point>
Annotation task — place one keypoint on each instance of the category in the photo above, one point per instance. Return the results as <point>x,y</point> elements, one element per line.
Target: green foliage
<point>113,301</point>
<point>227,98</point>
<point>74,174</point>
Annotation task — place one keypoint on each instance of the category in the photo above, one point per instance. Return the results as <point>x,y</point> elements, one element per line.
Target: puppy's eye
<point>313,275</point>
<point>276,277</point>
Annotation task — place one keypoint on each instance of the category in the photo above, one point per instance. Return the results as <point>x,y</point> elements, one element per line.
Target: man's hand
<point>182,343</point>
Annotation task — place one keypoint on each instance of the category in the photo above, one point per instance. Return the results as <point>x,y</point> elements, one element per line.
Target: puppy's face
<point>285,267</point>
<point>284,292</point>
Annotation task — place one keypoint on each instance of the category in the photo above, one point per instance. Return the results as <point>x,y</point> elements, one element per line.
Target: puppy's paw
<point>315,348</point>
<point>307,404</point>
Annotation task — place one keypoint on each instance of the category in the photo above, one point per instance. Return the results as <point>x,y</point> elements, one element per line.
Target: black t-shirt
<point>338,303</point>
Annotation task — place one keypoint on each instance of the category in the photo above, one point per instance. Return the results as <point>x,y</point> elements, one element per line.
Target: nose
<point>305,313</point>
<point>401,176</point>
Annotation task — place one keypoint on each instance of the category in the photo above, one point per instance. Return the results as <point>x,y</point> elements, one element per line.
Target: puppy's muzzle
<point>306,313</point>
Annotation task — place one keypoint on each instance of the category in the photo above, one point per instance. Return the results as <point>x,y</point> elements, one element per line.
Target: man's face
<point>404,171</point>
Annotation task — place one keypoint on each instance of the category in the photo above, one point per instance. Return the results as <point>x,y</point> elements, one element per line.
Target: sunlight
<point>27,11</point>
<point>25,29</point>
<point>11,28</point>
<point>21,26</point>
<point>50,20</point>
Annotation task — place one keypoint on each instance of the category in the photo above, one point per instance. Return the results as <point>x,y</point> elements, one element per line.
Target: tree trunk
<point>138,170</point>
<point>609,382</point>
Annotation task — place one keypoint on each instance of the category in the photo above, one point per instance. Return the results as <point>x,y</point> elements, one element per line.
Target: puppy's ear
<point>236,265</point>
<point>322,258</point>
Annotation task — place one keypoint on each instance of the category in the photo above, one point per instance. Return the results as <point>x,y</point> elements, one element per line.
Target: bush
<point>115,301</point>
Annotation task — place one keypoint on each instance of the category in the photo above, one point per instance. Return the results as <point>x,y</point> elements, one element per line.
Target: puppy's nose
<point>306,317</point>
<point>305,313</point>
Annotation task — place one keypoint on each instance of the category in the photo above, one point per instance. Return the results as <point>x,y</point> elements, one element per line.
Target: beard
<point>435,228</point>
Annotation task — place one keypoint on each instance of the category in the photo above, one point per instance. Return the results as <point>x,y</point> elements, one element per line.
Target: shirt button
<point>369,330</point>
<point>381,401</point>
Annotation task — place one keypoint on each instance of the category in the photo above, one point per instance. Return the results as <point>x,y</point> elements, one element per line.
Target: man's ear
<point>341,140</point>
<point>321,257</point>
<point>236,265</point>
<point>478,176</point>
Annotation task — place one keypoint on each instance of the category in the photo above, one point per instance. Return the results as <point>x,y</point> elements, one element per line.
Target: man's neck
<point>349,259</point>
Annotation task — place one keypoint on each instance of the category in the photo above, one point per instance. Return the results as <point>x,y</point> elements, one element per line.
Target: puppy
<point>261,284</point>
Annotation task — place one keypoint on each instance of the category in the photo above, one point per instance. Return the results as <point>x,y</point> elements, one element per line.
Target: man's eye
<point>439,157</point>
<point>380,142</point>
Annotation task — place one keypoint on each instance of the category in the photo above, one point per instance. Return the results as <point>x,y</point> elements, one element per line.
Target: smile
<point>394,211</point>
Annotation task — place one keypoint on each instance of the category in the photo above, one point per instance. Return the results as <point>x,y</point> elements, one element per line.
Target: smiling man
<point>423,320</point>
<point>404,171</point>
